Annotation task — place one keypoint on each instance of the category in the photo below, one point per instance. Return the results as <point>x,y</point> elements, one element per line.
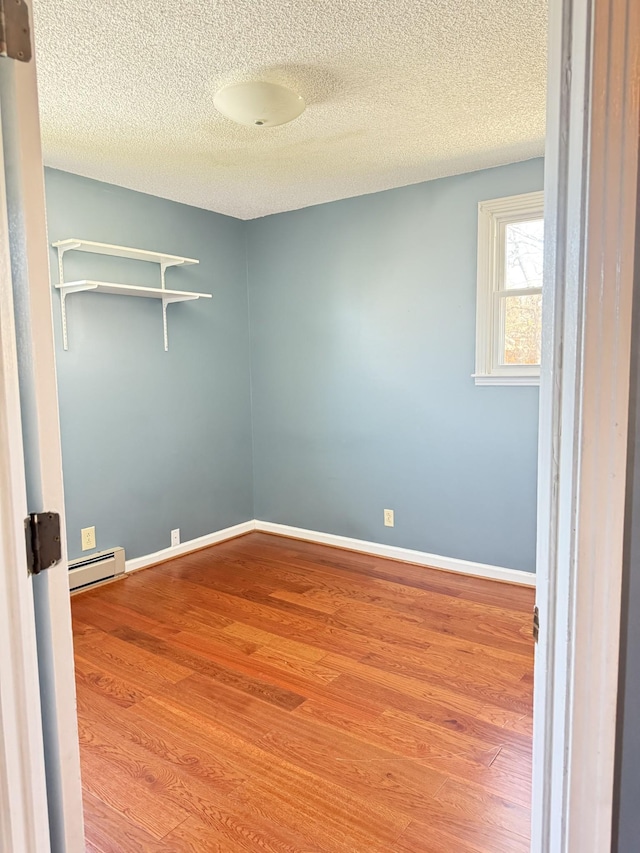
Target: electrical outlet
<point>175,537</point>
<point>388,518</point>
<point>88,538</point>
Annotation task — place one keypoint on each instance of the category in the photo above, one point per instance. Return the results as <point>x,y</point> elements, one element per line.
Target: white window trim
<point>491,216</point>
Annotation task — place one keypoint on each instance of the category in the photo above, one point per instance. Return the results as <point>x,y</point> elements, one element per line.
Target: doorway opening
<point>373,338</point>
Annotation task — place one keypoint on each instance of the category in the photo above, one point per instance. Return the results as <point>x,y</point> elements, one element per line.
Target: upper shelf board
<point>123,252</point>
<point>131,290</point>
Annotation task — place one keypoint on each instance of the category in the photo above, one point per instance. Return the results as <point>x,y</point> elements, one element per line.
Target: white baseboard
<point>393,552</point>
<point>420,558</point>
<point>186,547</point>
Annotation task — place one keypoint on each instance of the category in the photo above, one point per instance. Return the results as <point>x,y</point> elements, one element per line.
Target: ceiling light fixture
<point>258,103</point>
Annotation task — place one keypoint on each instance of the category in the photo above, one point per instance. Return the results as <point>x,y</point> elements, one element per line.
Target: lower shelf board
<point>86,285</point>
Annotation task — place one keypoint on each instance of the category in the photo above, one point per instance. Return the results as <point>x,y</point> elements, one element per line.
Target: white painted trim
<point>24,825</point>
<point>187,547</point>
<point>41,434</point>
<point>514,208</point>
<point>391,552</point>
<point>492,215</point>
<point>591,182</point>
<point>406,555</point>
<point>506,380</point>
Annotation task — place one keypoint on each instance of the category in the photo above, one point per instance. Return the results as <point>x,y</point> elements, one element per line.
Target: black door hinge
<point>536,624</point>
<point>15,32</point>
<point>42,534</point>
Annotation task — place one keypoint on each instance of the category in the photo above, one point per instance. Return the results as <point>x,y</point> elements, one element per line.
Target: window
<point>509,306</point>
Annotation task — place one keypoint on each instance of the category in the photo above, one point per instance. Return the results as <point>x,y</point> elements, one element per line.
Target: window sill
<point>505,380</point>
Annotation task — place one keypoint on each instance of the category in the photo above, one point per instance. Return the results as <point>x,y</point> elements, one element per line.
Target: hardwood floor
<point>268,694</point>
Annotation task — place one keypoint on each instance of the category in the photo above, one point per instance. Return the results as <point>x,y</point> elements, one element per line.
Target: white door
<point>40,792</point>
<point>591,167</point>
<point>23,794</point>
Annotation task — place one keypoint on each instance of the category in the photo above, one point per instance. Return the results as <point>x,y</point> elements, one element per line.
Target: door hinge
<point>536,624</point>
<point>15,32</point>
<point>42,534</point>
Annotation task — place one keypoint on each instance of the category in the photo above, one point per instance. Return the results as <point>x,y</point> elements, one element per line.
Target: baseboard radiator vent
<point>103,566</point>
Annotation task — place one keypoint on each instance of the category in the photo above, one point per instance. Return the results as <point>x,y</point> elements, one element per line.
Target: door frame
<point>590,167</point>
<point>24,823</point>
<point>590,205</point>
<point>33,373</point>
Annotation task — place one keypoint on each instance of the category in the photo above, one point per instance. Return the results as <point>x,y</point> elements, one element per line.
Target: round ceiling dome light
<point>259,103</point>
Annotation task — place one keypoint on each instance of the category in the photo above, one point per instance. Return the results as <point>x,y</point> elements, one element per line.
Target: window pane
<point>523,246</point>
<point>522,328</point>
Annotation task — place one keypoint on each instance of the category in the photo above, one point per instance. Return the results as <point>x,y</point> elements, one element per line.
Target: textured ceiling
<point>398,91</point>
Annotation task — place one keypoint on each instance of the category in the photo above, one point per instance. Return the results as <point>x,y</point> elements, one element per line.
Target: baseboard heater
<point>98,567</point>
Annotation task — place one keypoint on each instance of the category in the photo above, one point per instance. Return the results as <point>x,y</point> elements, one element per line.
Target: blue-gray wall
<point>151,440</point>
<point>362,320</point>
<point>360,328</point>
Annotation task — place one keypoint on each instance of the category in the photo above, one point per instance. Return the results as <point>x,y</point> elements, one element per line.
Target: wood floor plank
<point>435,839</point>
<point>466,679</point>
<point>390,626</point>
<point>177,750</point>
<point>503,777</point>
<point>354,563</point>
<point>422,688</point>
<point>221,708</point>
<point>120,691</point>
<point>138,665</point>
<point>330,590</point>
<point>200,791</point>
<point>313,670</point>
<point>370,772</point>
<point>334,823</point>
<point>203,663</point>
<point>108,830</point>
<point>276,665</point>
<point>321,603</point>
<point>304,651</point>
<point>105,615</point>
<point>126,794</point>
<point>231,831</point>
<point>283,779</point>
<point>447,715</point>
<point>267,694</point>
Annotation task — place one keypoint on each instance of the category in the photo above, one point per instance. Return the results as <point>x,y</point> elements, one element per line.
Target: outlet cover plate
<point>175,537</point>
<point>389,520</point>
<point>88,538</point>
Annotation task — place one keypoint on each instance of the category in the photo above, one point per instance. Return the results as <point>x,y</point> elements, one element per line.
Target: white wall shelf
<point>131,290</point>
<point>164,260</point>
<point>74,245</point>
